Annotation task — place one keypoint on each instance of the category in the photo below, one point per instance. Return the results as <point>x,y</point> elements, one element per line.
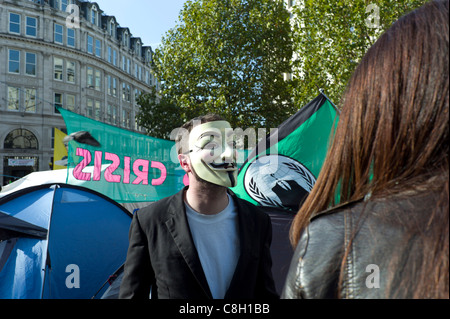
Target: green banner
<point>123,165</point>
<point>283,169</point>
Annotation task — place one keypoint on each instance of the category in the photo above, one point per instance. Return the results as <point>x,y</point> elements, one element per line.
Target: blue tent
<point>60,241</point>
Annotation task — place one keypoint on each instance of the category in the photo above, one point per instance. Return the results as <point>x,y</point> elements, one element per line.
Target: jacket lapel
<point>178,226</point>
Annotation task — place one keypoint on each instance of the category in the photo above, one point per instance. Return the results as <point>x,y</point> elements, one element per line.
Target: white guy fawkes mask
<point>212,153</point>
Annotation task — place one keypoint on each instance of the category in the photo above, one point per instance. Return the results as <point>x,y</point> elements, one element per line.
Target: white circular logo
<point>278,181</point>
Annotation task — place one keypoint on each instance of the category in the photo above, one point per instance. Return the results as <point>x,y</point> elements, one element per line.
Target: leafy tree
<point>226,57</point>
<point>331,37</point>
<point>157,113</point>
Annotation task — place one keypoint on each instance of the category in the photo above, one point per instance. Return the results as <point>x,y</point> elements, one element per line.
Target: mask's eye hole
<point>211,146</point>
<point>208,143</point>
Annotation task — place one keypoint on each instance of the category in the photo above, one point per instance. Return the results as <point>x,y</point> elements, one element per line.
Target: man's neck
<point>206,199</point>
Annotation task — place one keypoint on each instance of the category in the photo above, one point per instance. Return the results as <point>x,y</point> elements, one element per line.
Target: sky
<point>146,19</point>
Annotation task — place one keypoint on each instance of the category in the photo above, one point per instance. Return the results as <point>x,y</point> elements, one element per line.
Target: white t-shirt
<point>216,239</point>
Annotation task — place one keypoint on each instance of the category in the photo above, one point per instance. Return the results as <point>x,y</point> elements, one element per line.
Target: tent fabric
<point>22,276</point>
<point>58,177</point>
<point>86,241</point>
<point>32,207</point>
<point>35,179</point>
<point>9,223</point>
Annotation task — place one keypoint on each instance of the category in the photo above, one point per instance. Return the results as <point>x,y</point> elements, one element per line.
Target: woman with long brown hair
<point>376,224</point>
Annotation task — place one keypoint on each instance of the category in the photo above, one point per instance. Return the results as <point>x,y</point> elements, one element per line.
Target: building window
<point>70,69</point>
<point>58,100</point>
<point>90,44</point>
<point>98,48</point>
<point>148,55</point>
<point>30,63</point>
<point>126,116</point>
<point>14,23</point>
<point>109,84</point>
<point>98,111</point>
<point>126,92</point>
<point>21,139</point>
<point>109,54</point>
<point>70,102</point>
<point>59,33</point>
<point>13,98</point>
<point>109,118</point>
<point>138,49</point>
<point>129,66</point>
<point>125,40</point>
<point>137,93</point>
<point>14,61</point>
<point>64,4</point>
<point>94,15</point>
<point>70,37</point>
<point>31,27</point>
<point>124,63</point>
<point>94,78</point>
<point>148,77</point>
<point>90,77</point>
<point>116,116</point>
<point>112,85</point>
<point>58,69</point>
<point>30,100</point>
<point>98,80</point>
<point>114,88</point>
<point>115,57</point>
<point>112,28</point>
<point>90,108</point>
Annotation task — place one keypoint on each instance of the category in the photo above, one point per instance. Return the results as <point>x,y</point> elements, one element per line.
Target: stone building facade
<point>66,53</point>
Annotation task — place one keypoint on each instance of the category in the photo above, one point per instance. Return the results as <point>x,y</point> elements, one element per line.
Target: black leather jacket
<point>379,247</point>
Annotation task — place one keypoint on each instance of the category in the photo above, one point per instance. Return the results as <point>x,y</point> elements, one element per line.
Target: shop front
<point>18,160</point>
<point>15,167</point>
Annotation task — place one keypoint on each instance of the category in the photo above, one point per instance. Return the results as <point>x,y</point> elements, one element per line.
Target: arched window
<point>21,139</point>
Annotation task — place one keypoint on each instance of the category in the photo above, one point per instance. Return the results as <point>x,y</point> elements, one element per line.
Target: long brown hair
<point>393,132</point>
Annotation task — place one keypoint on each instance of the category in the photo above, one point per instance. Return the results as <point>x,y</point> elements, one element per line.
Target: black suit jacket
<point>162,255</point>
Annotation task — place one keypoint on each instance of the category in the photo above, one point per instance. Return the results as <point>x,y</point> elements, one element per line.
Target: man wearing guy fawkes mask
<point>203,242</point>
